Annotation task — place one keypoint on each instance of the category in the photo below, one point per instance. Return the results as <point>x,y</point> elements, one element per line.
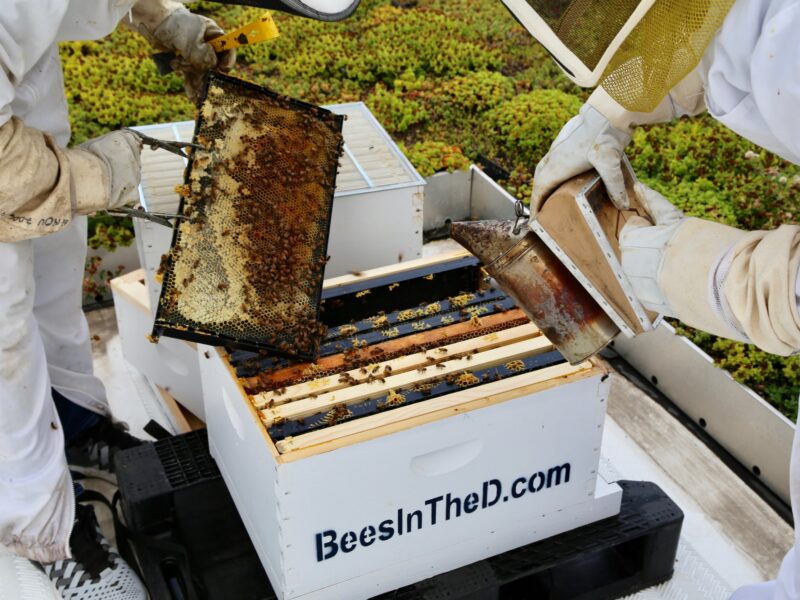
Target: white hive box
<point>171,364</point>
<point>377,209</point>
<point>369,505</point>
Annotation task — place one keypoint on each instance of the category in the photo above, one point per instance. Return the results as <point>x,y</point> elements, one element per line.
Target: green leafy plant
<point>97,280</point>
<point>526,125</point>
<point>394,112</point>
<point>433,157</point>
<point>109,233</point>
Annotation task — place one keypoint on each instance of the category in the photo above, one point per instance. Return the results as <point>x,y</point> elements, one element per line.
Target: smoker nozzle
<point>526,269</point>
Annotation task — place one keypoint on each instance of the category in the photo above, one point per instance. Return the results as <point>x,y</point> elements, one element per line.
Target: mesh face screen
<point>247,270</point>
<point>587,27</point>
<point>666,45</point>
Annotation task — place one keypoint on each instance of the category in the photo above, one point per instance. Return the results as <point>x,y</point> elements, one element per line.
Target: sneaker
<point>92,453</point>
<point>20,579</point>
<point>95,571</point>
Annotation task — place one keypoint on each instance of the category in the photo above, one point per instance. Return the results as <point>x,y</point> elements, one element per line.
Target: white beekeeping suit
<point>45,191</point>
<point>738,284</point>
<point>44,339</point>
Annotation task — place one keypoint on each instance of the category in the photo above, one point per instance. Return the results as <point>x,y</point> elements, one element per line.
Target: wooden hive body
<point>349,509</point>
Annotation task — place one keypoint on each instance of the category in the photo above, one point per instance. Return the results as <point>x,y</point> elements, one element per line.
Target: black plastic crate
<point>173,493</point>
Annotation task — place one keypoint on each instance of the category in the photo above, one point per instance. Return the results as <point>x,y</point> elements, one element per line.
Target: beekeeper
<point>656,60</point>
<point>46,190</point>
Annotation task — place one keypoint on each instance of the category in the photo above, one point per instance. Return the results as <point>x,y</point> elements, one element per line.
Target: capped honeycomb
<point>245,270</point>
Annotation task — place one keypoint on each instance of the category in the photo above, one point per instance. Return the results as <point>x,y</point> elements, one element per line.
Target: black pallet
<point>190,542</point>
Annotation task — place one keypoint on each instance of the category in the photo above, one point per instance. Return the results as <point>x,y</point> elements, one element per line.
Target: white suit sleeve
<point>752,74</point>
<point>733,283</point>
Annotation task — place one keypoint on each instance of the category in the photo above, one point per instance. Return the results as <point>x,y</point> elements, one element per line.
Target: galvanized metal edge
<point>737,418</point>
<point>616,267</point>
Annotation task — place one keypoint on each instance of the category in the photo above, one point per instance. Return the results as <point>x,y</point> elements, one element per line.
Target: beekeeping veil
<point>321,10</point>
<point>636,49</point>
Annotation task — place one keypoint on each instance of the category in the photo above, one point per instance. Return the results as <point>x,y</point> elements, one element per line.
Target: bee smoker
<point>540,284</point>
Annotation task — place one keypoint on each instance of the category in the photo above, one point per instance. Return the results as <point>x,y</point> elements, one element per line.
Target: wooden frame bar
<point>358,393</point>
<point>360,430</point>
<point>331,383</point>
<point>436,336</point>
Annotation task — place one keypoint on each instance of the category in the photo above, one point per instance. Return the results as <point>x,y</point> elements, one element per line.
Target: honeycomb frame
<point>245,270</point>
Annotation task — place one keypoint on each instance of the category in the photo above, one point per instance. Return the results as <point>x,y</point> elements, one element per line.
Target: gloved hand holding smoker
<point>53,410</point>
<point>656,60</point>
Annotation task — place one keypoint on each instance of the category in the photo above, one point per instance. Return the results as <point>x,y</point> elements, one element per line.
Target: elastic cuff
<point>689,261</point>
<point>623,119</point>
<point>90,181</point>
<point>38,553</point>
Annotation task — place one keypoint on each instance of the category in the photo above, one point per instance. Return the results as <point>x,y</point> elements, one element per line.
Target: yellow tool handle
<point>258,31</point>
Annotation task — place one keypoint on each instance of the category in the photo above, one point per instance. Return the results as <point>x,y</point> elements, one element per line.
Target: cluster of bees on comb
<point>249,263</point>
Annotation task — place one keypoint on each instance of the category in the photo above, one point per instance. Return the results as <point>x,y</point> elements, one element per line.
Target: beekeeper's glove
<point>43,186</point>
<point>114,161</point>
<point>587,141</point>
<point>169,26</point>
<point>643,245</point>
<point>598,136</point>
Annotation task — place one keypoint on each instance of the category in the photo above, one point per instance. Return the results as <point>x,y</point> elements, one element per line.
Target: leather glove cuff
<point>90,181</point>
<point>685,276</point>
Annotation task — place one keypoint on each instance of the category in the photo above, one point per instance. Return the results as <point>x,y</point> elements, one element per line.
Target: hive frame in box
<point>360,473</point>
